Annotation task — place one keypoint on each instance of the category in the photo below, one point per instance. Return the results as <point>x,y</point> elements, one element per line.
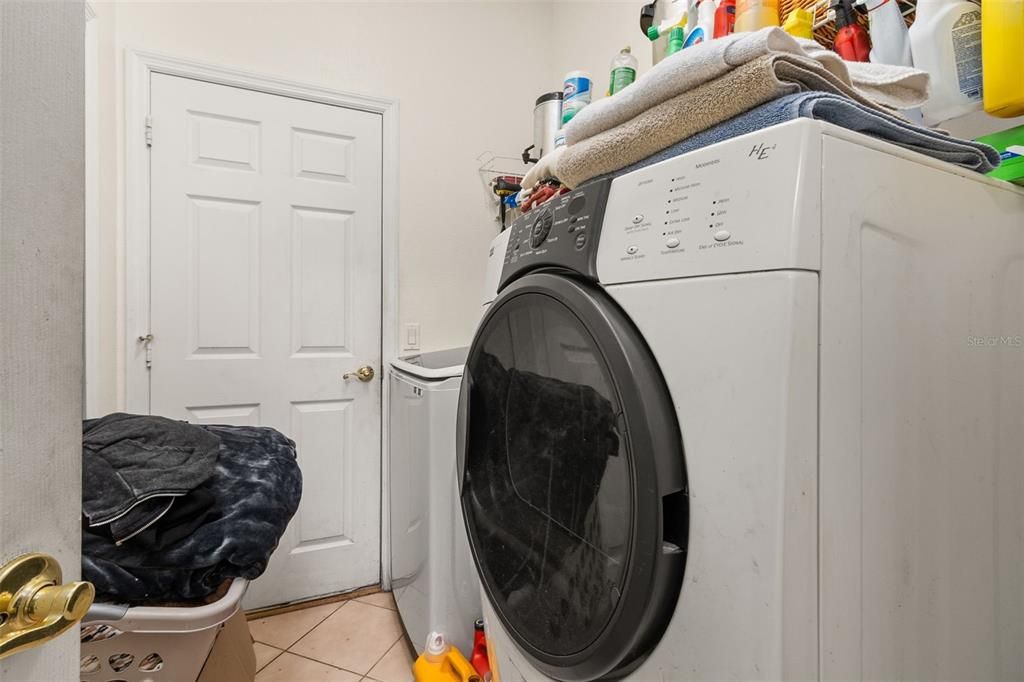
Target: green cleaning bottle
<point>676,39</point>
<point>623,70</point>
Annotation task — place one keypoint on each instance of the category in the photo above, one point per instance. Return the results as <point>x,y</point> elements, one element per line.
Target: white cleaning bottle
<point>691,20</point>
<point>946,42</point>
<point>704,30</point>
<point>890,39</point>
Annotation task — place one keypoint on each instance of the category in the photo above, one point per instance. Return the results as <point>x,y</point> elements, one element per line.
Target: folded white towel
<point>897,87</point>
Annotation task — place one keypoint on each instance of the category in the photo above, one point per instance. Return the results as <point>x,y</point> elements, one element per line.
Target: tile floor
<point>359,639</point>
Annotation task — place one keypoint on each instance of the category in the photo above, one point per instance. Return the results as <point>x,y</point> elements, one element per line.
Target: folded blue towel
<point>841,111</point>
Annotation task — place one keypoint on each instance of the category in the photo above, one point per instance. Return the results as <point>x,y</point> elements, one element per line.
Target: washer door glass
<point>548,488</point>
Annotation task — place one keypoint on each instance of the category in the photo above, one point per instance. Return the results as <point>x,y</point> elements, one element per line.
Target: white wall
<point>42,220</point>
<point>589,35</point>
<point>466,74</point>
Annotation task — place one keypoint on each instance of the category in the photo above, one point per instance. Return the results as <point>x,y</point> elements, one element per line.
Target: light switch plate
<point>412,336</point>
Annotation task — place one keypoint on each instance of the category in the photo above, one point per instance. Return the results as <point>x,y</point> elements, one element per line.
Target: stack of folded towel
<point>738,84</point>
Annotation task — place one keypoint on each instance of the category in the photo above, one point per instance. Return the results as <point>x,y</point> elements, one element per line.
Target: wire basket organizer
<point>825,27</point>
<point>153,643</point>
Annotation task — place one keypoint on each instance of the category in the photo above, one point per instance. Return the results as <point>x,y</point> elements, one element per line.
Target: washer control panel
<point>563,232</point>
<point>748,204</point>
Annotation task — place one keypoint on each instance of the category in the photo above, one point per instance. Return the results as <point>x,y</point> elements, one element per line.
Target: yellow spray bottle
<point>1002,57</point>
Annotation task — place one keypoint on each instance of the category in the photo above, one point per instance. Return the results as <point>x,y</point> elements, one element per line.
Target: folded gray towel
<point>739,90</point>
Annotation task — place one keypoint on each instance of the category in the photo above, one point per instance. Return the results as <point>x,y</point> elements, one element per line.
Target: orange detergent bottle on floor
<point>441,662</point>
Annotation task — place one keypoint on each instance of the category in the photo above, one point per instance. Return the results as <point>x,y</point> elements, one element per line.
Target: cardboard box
<point>232,658</point>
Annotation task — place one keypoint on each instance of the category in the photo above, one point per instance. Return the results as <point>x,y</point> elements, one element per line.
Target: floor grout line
<point>390,647</point>
<point>341,605</point>
<point>318,624</point>
<point>329,665</point>
<point>377,606</point>
<point>276,656</point>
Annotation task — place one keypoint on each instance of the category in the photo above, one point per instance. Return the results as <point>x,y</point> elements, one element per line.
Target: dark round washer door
<point>573,481</point>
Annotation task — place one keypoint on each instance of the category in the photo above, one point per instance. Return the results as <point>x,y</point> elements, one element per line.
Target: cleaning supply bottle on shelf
<point>705,26</point>
<point>890,39</point>
<point>692,14</point>
<point>752,15</point>
<point>1002,46</point>
<point>946,42</point>
<point>623,70</point>
<point>852,42</point>
<point>725,18</point>
<point>441,662</point>
<point>799,23</point>
<point>663,29</point>
<point>676,39</point>
<point>576,93</point>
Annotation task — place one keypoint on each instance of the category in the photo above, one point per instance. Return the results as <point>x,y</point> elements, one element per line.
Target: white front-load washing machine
<point>755,413</point>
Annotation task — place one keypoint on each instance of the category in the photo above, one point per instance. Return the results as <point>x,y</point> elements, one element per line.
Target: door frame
<point>140,65</point>
<point>90,396</point>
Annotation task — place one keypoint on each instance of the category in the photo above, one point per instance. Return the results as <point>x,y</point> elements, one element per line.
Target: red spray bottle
<point>852,42</point>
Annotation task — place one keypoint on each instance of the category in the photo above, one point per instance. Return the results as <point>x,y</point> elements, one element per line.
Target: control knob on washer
<point>541,229</point>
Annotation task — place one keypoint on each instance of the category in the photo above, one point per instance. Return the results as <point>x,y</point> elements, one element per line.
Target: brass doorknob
<point>34,606</point>
<point>364,373</point>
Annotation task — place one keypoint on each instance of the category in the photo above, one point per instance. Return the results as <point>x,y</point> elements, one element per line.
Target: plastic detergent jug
<point>752,15</point>
<point>800,23</point>
<point>441,662</point>
<point>1002,45</point>
<point>946,42</point>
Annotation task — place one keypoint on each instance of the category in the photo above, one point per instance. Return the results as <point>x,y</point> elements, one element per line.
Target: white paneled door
<point>265,291</point>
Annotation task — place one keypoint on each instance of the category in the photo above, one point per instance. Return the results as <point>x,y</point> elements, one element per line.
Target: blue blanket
<point>824,106</point>
<point>255,490</point>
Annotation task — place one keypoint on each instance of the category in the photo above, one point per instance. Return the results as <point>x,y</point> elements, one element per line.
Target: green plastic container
<point>1010,145</point>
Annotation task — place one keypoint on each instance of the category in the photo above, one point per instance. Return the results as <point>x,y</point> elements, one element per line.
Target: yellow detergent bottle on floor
<point>441,662</point>
<point>1002,57</point>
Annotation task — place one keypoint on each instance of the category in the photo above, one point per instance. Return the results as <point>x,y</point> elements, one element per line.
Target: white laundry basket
<point>153,643</point>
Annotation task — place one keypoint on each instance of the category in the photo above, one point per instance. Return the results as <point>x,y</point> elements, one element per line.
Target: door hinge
<point>148,341</point>
<point>149,131</point>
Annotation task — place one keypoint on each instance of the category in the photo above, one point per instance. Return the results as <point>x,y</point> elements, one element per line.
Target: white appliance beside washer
<point>433,578</point>
<point>755,413</point>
